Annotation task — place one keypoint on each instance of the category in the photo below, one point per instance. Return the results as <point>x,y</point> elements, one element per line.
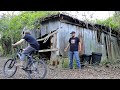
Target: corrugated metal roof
<point>76,21</point>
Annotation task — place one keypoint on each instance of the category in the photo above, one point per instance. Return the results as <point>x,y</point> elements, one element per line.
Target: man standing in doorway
<point>75,48</point>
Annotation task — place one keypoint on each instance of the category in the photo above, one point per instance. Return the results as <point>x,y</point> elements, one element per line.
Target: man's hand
<point>14,45</point>
<point>79,50</point>
<point>65,49</point>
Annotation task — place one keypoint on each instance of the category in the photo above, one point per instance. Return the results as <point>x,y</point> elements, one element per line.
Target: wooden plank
<point>47,36</point>
<point>67,22</point>
<point>48,27</point>
<point>47,50</point>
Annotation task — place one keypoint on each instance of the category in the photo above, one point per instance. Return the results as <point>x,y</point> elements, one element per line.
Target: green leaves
<point>11,26</point>
<point>112,22</point>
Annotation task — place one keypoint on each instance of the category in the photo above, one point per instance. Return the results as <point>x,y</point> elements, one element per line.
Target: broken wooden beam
<point>47,50</point>
<point>50,34</point>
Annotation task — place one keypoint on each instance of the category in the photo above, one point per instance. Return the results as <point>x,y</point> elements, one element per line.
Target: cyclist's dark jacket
<point>32,41</point>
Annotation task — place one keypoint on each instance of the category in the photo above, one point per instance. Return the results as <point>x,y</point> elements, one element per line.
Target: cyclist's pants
<point>27,50</point>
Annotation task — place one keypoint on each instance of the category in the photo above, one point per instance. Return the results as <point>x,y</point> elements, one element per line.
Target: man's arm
<point>19,42</point>
<point>67,47</point>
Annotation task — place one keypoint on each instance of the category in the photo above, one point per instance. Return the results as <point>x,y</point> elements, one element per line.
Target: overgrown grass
<point>66,63</point>
<point>111,63</point>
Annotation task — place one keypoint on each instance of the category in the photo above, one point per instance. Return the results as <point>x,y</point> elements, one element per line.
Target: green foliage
<point>66,63</point>
<point>109,22</point>
<point>12,25</point>
<point>113,22</point>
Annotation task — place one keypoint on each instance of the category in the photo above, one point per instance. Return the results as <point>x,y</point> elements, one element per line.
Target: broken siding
<point>63,37</point>
<point>91,44</point>
<point>104,56</point>
<point>87,41</point>
<point>115,48</point>
<point>48,27</point>
<point>87,36</point>
<point>79,30</point>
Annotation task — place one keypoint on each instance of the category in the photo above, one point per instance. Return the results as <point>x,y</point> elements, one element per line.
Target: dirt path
<point>85,73</point>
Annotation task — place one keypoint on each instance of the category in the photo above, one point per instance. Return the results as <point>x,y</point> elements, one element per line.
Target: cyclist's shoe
<point>21,67</point>
<point>18,64</point>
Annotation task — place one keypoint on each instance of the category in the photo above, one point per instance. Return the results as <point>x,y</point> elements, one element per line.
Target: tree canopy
<point>113,22</point>
<point>12,25</point>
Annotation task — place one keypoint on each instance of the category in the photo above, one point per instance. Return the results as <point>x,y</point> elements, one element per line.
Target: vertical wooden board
<point>52,25</point>
<point>80,36</point>
<point>96,42</point>
<point>115,48</point>
<point>78,31</point>
<point>93,41</point>
<point>86,41</point>
<point>89,37</point>
<point>82,39</point>
<point>43,29</point>
<point>108,44</point>
<point>118,47</point>
<point>58,40</point>
<point>104,57</point>
<point>63,35</point>
<point>48,27</point>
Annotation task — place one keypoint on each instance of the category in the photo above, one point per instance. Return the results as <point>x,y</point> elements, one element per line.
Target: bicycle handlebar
<point>18,50</point>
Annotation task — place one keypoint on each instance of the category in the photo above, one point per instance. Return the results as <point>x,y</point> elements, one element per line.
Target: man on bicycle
<point>33,45</point>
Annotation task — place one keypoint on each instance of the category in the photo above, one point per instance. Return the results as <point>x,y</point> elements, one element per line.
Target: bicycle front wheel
<point>38,70</point>
<point>9,68</point>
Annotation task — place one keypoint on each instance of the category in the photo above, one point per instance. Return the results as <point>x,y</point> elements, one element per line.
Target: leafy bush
<point>12,26</point>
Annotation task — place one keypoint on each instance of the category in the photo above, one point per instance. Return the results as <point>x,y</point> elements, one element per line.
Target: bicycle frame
<point>29,57</point>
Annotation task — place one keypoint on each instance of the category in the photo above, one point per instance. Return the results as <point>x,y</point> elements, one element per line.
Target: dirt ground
<point>98,72</point>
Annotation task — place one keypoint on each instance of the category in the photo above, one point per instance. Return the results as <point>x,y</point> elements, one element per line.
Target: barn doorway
<point>106,47</point>
<point>47,45</point>
<point>43,46</point>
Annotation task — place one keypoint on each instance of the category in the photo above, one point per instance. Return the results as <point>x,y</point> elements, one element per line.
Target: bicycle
<point>33,67</point>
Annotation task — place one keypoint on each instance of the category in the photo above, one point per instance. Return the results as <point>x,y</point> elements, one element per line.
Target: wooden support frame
<point>47,36</point>
<point>48,50</point>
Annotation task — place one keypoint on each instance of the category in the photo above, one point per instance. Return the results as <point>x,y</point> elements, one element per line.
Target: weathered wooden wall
<point>46,28</point>
<point>87,37</point>
<point>89,41</point>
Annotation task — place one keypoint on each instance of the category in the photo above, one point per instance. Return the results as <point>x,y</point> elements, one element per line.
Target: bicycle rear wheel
<point>38,70</point>
<point>9,68</point>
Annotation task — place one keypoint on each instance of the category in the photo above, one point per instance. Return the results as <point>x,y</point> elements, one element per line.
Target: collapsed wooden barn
<point>55,32</point>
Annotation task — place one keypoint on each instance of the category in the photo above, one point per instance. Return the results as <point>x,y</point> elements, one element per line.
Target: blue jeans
<point>27,50</point>
<point>76,54</point>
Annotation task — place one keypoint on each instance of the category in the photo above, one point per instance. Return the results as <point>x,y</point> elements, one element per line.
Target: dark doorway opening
<point>43,46</point>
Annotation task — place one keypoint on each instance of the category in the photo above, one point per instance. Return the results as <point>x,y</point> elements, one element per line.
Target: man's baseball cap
<point>72,32</point>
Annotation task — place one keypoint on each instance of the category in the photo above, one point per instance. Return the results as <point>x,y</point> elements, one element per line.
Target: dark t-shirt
<point>74,43</point>
<point>32,41</point>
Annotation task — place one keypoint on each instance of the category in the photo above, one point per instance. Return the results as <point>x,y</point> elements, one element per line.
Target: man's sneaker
<point>19,65</point>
